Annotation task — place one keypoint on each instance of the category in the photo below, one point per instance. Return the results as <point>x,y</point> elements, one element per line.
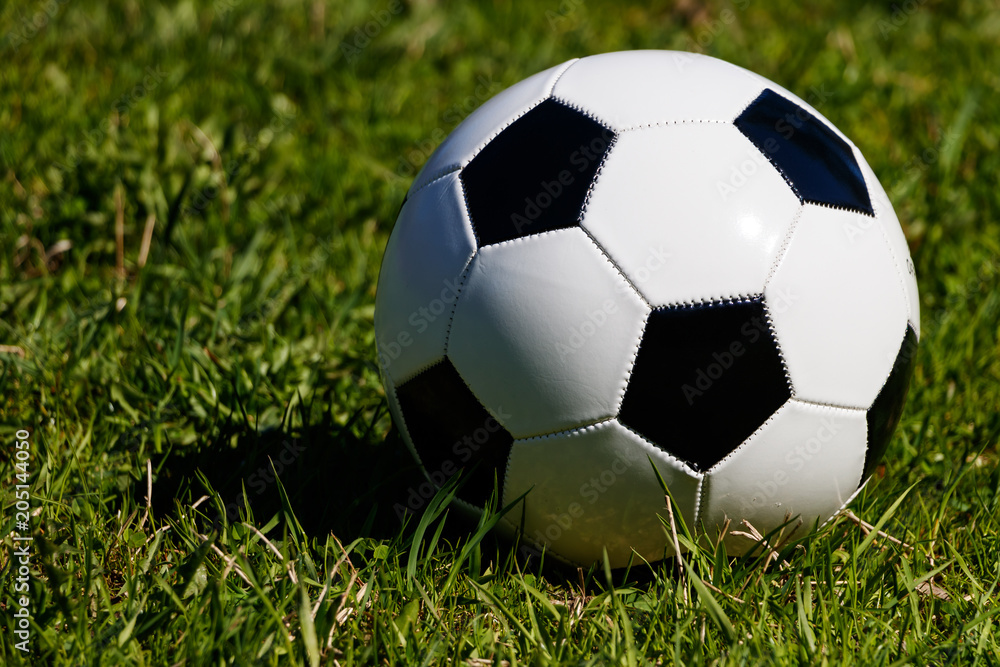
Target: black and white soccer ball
<point>639,256</point>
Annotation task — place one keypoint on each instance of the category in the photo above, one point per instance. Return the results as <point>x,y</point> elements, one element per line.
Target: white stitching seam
<point>785,243</point>
<point>444,171</point>
<point>773,330</point>
<point>457,167</point>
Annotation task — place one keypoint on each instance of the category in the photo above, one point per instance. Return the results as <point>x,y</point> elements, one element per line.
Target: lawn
<point>194,200</point>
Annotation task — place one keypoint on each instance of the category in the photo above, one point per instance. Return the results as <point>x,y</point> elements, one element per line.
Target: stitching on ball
<point>405,432</point>
<point>454,306</point>
<point>743,445</point>
<point>441,173</point>
<point>862,484</point>
<point>570,432</point>
<point>900,273</point>
<point>828,406</point>
<point>580,110</point>
<point>468,215</point>
<point>527,237</point>
<point>896,269</point>
<point>711,302</point>
<point>838,207</point>
<point>631,365</point>
<point>503,490</point>
<point>593,181</point>
<point>860,159</point>
<point>785,242</point>
<point>420,369</point>
<point>700,502</point>
<point>507,522</point>
<point>682,465</point>
<point>474,509</point>
<point>774,164</point>
<point>784,406</point>
<point>902,341</point>
<point>479,399</point>
<point>503,127</point>
<point>667,123</point>
<point>773,330</point>
<point>743,109</point>
<point>611,260</point>
<point>568,65</point>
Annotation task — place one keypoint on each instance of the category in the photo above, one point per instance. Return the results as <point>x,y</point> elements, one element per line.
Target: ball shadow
<point>340,479</point>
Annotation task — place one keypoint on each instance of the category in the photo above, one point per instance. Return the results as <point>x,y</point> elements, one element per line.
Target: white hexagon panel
<point>593,488</point>
<point>702,227</point>
<point>800,467</point>
<point>545,332</point>
<point>632,89</point>
<point>843,310</point>
<point>421,277</point>
<point>887,219</point>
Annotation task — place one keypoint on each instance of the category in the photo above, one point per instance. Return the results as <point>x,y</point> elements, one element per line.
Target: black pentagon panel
<point>535,175</point>
<point>815,161</point>
<point>704,379</point>
<point>885,412</point>
<point>451,431</point>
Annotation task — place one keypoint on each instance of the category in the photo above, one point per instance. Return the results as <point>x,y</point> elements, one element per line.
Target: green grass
<point>270,153</point>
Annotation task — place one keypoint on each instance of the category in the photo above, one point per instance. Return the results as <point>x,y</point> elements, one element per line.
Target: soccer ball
<point>641,259</point>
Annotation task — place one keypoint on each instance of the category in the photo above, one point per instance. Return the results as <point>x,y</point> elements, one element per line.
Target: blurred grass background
<point>194,199</point>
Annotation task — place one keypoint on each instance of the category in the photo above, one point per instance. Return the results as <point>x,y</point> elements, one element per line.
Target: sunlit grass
<point>194,201</point>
